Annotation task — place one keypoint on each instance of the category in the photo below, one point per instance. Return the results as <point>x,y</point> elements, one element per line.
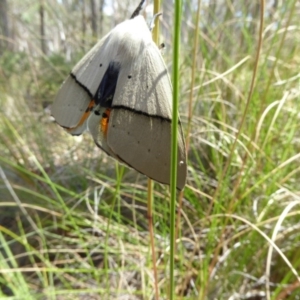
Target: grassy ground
<point>73,222</point>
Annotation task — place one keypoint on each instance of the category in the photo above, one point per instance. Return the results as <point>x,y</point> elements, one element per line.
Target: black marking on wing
<point>81,85</point>
<point>141,113</point>
<point>107,87</point>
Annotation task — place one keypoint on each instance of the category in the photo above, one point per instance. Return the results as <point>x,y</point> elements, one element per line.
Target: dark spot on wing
<point>107,87</point>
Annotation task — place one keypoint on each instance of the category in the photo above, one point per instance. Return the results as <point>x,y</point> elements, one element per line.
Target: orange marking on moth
<point>85,115</point>
<point>104,121</point>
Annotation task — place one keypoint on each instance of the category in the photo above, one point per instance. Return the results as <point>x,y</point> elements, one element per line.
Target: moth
<point>120,91</point>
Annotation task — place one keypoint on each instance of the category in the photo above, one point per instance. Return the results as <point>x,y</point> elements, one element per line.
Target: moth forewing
<point>122,93</point>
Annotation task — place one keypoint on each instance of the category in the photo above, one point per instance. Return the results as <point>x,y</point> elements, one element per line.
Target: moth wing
<point>144,143</point>
<point>144,84</point>
<point>139,129</point>
<point>74,101</point>
<point>97,130</point>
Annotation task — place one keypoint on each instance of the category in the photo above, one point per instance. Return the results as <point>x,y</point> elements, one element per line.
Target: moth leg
<point>161,46</point>
<point>152,24</point>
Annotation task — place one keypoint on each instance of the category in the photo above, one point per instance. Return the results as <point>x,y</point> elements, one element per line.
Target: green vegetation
<point>73,223</point>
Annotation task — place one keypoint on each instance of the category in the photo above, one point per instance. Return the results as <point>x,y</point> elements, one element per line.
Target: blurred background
<point>73,222</point>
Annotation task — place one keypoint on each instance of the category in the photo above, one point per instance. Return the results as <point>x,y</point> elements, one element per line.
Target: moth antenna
<point>137,10</point>
<point>152,24</point>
